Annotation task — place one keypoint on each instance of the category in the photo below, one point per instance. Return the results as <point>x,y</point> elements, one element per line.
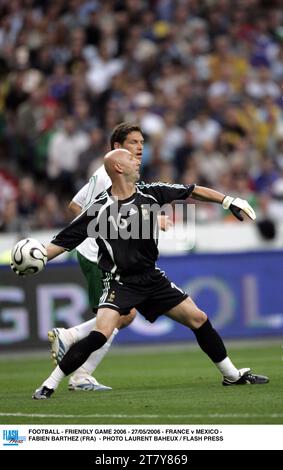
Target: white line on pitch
<point>122,416</point>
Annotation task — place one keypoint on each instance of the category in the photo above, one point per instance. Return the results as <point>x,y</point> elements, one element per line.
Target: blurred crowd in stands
<point>203,78</point>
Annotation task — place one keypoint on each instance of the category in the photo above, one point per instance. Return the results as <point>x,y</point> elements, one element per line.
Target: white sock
<point>96,357</point>
<point>81,331</point>
<point>54,379</point>
<point>228,369</point>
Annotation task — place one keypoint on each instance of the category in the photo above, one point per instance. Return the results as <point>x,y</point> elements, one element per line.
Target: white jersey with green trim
<point>97,183</point>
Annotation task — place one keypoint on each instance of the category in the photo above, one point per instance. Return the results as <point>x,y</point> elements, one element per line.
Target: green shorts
<point>93,276</point>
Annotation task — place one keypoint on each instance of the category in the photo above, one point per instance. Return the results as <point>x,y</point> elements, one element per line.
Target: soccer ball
<point>28,256</point>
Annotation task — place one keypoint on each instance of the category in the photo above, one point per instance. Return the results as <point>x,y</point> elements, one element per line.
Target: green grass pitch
<point>150,386</point>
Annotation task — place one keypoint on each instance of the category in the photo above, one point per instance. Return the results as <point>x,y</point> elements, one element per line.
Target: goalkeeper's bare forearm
<point>201,193</point>
<point>53,251</point>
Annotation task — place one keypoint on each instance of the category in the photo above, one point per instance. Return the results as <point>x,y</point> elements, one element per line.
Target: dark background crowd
<point>203,78</point>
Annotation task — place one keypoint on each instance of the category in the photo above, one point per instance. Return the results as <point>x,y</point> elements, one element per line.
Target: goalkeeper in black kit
<point>123,221</point>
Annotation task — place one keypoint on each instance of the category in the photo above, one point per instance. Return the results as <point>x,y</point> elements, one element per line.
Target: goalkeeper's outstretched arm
<point>236,205</point>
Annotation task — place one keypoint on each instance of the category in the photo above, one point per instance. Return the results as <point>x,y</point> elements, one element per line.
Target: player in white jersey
<point>130,137</point>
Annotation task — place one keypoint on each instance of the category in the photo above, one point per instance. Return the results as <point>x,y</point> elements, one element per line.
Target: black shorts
<point>151,293</point>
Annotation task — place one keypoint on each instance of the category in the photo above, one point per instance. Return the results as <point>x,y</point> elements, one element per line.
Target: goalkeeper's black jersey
<point>125,230</point>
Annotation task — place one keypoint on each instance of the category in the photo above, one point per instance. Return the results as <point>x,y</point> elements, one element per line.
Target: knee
<point>199,319</point>
<point>106,321</point>
<point>125,320</point>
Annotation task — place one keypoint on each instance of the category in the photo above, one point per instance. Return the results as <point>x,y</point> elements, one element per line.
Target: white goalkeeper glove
<point>236,205</point>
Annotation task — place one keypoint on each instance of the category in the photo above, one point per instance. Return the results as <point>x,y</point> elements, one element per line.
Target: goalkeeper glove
<point>236,205</point>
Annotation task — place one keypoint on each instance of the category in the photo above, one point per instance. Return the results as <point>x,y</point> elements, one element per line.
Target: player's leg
<point>106,321</point>
<point>61,339</point>
<point>187,313</point>
<point>95,358</point>
<point>82,378</point>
